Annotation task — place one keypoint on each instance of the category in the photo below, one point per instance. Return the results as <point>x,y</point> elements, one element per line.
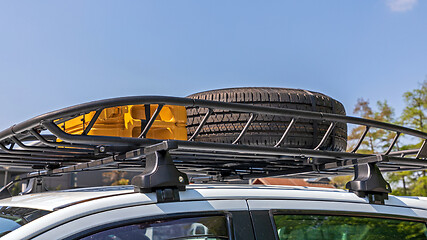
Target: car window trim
<point>227,214</point>
<point>263,230</point>
<point>344,213</point>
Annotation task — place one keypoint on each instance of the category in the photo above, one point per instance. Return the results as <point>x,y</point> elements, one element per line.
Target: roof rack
<point>220,161</point>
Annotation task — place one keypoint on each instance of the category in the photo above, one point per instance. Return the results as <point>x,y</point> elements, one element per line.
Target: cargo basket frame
<point>216,161</point>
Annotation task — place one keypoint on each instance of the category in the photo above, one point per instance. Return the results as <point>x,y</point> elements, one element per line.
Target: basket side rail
<point>96,105</point>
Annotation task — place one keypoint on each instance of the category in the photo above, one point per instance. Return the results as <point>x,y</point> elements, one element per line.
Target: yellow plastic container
<point>125,121</point>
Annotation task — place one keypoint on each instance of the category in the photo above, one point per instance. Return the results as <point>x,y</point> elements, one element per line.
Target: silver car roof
<point>61,199</point>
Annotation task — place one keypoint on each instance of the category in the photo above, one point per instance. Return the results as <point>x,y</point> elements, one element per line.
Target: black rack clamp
<point>369,182</point>
<point>160,174</point>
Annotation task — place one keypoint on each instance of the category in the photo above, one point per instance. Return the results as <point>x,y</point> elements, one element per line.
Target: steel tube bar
<point>64,151</point>
<point>248,123</point>
<point>59,144</point>
<point>297,152</point>
<point>151,121</point>
<point>33,159</point>
<point>393,143</point>
<point>284,173</point>
<point>286,133</point>
<point>407,161</point>
<point>36,153</point>
<point>325,137</point>
<point>97,140</point>
<point>202,123</point>
<point>404,152</point>
<point>361,139</point>
<point>92,121</point>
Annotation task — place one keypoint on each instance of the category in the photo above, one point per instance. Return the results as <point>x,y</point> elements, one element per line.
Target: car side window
<point>322,227</point>
<point>12,218</point>
<point>207,227</point>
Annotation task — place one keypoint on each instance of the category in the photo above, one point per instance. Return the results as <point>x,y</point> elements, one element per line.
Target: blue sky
<point>59,53</point>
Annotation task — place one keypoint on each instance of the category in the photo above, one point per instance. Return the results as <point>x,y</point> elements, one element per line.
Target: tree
<point>414,113</point>
<point>385,113</point>
<point>341,181</point>
<point>400,182</point>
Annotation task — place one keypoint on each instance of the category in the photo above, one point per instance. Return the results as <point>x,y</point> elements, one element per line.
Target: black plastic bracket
<point>160,174</point>
<point>368,182</point>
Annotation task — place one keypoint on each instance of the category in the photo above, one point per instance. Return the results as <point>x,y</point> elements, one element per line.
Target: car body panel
<point>59,199</point>
<point>56,199</point>
<point>82,209</point>
<point>331,207</point>
<point>62,226</point>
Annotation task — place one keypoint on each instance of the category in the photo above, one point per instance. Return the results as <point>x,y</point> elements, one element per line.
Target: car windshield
<point>12,218</point>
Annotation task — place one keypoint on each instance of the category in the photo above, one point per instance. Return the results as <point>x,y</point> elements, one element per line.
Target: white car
<point>217,136</point>
<point>211,212</point>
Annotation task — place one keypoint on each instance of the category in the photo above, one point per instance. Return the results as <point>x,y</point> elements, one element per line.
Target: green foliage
<point>318,227</point>
<point>16,188</point>
<point>414,113</point>
<point>341,181</point>
<point>400,180</point>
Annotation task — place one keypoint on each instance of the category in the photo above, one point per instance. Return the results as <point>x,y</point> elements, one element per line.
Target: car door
<point>304,219</point>
<point>215,219</point>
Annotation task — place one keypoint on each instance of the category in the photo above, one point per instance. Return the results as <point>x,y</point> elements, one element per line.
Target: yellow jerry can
<point>127,121</point>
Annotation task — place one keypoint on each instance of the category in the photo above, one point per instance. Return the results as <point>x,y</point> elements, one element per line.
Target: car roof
<point>52,200</point>
<point>60,199</point>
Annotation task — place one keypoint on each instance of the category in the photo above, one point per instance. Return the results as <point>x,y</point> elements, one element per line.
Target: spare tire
<point>224,126</point>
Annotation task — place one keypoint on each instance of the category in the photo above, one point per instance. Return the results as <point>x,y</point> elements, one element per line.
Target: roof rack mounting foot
<point>160,174</point>
<point>35,185</point>
<point>368,182</point>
